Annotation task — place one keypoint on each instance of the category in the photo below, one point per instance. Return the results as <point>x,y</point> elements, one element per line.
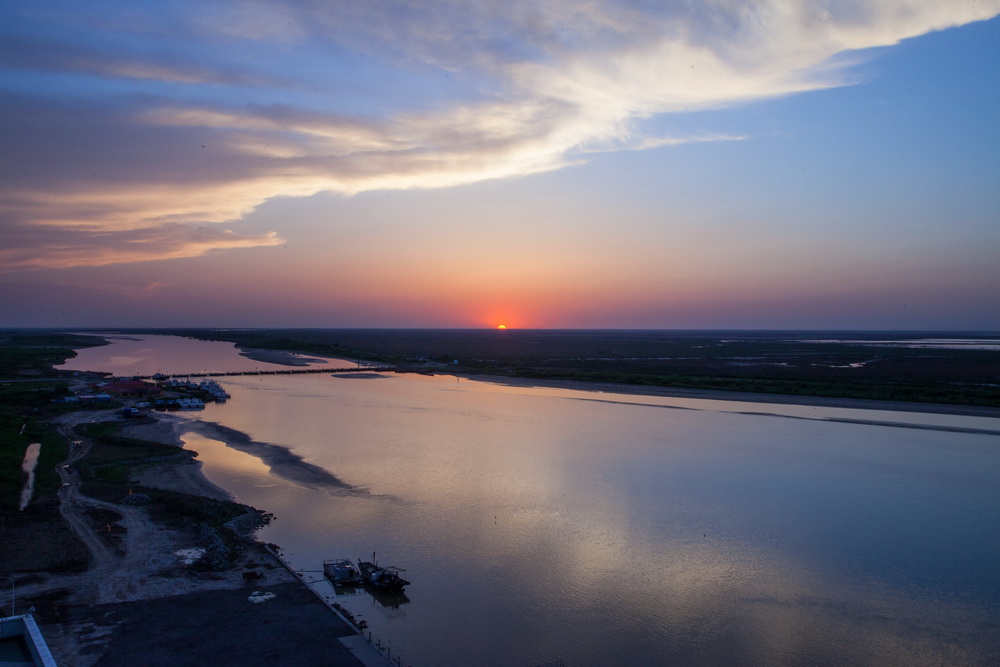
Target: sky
<point>726,164</point>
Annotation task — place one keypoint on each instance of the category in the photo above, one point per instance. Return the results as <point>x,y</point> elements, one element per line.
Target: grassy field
<point>27,353</point>
<point>28,385</point>
<point>24,410</point>
<point>105,469</point>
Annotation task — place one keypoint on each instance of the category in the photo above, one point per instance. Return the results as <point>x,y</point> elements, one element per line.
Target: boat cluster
<point>343,572</point>
<point>178,404</point>
<point>210,387</point>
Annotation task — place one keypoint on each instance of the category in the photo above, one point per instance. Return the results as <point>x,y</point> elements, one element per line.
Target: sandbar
<point>282,357</point>
<point>740,396</point>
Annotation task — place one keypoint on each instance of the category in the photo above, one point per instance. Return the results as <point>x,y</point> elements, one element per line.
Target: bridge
<point>289,371</point>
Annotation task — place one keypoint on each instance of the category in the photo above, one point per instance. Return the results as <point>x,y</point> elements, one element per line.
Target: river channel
<point>541,524</point>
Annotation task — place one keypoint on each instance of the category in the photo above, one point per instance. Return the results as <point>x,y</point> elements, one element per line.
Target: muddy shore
<point>740,396</point>
<point>138,602</point>
<point>180,477</point>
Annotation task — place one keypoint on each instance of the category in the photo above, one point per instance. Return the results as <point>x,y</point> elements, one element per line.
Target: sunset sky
<point>554,164</point>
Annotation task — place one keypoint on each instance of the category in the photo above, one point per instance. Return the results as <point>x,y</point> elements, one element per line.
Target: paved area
<point>216,627</point>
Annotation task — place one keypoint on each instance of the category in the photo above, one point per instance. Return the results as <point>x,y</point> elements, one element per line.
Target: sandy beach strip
<point>739,396</point>
<point>286,357</point>
<point>182,477</point>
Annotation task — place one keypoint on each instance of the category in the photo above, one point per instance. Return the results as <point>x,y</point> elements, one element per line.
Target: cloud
<point>183,129</point>
<point>32,247</point>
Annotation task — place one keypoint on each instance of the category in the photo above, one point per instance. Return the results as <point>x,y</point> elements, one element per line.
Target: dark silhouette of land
<point>888,366</point>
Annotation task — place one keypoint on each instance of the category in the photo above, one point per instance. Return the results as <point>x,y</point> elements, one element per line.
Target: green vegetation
<point>24,410</point>
<point>105,469</point>
<point>105,472</point>
<point>963,395</point>
<point>38,538</point>
<point>299,343</point>
<point>12,448</point>
<point>26,405</point>
<point>866,365</point>
<point>26,354</point>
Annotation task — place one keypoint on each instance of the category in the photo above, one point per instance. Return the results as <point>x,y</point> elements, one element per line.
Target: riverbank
<point>167,429</point>
<point>739,396</point>
<point>140,602</point>
<point>180,477</point>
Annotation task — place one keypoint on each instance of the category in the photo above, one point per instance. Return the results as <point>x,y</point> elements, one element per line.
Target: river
<point>540,524</point>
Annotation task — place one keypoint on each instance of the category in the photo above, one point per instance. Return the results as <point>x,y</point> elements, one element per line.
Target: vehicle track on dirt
<point>115,574</point>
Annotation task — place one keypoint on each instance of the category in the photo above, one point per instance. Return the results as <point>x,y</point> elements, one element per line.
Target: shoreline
<point>144,584</point>
<point>738,396</point>
<point>186,478</point>
<point>298,359</point>
<point>189,478</point>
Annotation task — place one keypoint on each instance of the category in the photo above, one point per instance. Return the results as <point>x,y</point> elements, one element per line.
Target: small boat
<point>341,572</point>
<point>382,578</point>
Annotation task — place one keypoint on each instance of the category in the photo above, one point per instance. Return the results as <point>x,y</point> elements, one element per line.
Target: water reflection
<point>538,526</point>
<point>215,454</point>
<point>31,454</point>
<point>390,599</point>
<point>149,354</point>
<point>688,535</point>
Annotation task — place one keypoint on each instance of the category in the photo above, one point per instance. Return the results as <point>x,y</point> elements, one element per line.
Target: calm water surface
<point>596,529</point>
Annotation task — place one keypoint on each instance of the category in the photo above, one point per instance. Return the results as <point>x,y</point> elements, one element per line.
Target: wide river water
<point>542,524</point>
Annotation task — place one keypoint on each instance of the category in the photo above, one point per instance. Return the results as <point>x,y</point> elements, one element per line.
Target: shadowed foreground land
<point>223,628</point>
<point>98,553</point>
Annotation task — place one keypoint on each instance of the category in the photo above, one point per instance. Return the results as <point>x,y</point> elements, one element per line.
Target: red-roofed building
<point>123,387</point>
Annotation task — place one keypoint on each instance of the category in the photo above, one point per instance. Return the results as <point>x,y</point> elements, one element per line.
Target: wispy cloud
<point>37,247</point>
<point>189,133</point>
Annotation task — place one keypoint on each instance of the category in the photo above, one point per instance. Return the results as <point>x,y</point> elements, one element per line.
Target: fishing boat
<point>341,572</point>
<point>381,578</point>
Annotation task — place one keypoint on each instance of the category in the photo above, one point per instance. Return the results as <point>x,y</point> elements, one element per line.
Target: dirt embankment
<point>130,557</point>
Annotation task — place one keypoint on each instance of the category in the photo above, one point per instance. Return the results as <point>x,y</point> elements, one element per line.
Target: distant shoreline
<point>740,396</point>
<point>299,359</point>
<point>288,358</point>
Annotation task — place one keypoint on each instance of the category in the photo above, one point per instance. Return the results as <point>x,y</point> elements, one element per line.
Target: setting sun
<point>501,326</point>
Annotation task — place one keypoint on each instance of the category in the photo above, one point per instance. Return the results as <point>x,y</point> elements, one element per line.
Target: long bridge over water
<point>289,371</point>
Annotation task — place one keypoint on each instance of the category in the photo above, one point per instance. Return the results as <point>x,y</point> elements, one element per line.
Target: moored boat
<point>341,572</point>
<point>382,578</point>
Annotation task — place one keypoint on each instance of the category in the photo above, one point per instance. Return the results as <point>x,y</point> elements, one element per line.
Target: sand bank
<point>281,461</point>
<point>741,396</point>
<point>182,477</point>
<point>282,357</point>
<point>138,596</point>
<point>188,478</point>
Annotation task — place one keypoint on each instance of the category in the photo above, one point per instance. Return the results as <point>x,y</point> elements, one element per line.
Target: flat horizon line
<point>964,332</point>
